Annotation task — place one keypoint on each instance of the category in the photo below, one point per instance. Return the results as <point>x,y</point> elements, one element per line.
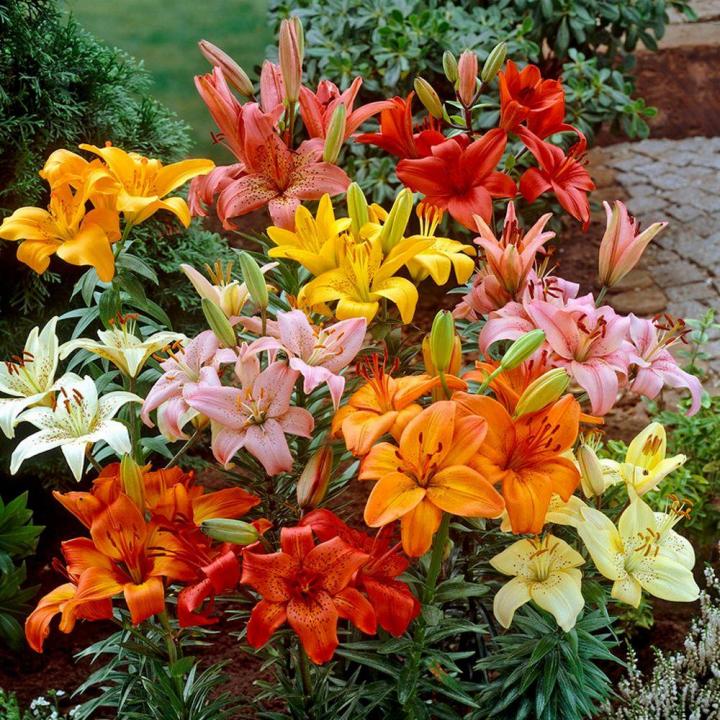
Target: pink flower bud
<point>291,57</point>
<point>233,73</point>
<point>313,483</point>
<point>467,77</point>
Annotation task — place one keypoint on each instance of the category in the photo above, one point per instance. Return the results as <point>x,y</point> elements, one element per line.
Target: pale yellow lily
<point>642,553</point>
<point>315,241</point>
<point>546,572</point>
<point>363,278</point>
<point>646,464</point>
<point>145,182</point>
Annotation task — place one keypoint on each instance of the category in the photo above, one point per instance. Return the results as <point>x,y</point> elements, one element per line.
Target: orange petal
<point>81,553</point>
<point>37,625</point>
<point>36,254</point>
<point>429,434</point>
<point>267,574</point>
<point>392,497</point>
<point>464,492</point>
<point>468,436</point>
<point>382,460</point>
<point>336,562</point>
<point>418,527</point>
<point>403,418</point>
<point>411,387</point>
<point>297,542</point>
<point>120,531</point>
<point>83,505</point>
<point>314,619</point>
<point>145,599</point>
<point>227,503</point>
<point>90,247</point>
<point>500,438</point>
<point>265,618</point>
<point>527,497</point>
<point>356,608</point>
<point>564,475</point>
<point>363,428</point>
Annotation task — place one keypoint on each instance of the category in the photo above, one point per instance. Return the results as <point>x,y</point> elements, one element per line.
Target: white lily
<point>645,463</point>
<point>77,420</point>
<point>29,377</point>
<point>642,553</point>
<point>546,572</point>
<point>122,347</point>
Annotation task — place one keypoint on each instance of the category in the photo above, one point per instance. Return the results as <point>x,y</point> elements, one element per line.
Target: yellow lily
<point>544,571</point>
<point>363,278</point>
<point>145,182</point>
<point>642,553</point>
<point>646,464</point>
<point>66,229</point>
<point>314,243</point>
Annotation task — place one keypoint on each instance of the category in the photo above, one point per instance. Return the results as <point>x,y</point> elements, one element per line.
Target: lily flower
<point>563,174</point>
<point>145,182</point>
<point>314,241</point>
<point>397,134</point>
<point>461,177</point>
<point>307,586</point>
<point>383,405</point>
<point>255,416</point>
<point>429,472</point>
<point>511,258</point>
<point>656,366</point>
<point>646,463</point>
<point>527,455</point>
<point>642,553</point>
<point>364,277</point>
<point>544,571</point>
<point>622,244</point>
<point>28,377</point>
<point>66,229</point>
<point>122,347</point>
<point>77,420</point>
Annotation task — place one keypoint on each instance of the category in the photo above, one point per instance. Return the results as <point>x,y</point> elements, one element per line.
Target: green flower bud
<point>428,97</point>
<point>335,135</point>
<point>494,62</point>
<point>237,532</point>
<point>542,391</point>
<point>254,279</point>
<point>397,220</point>
<point>315,478</point>
<point>357,208</point>
<point>442,340</point>
<point>218,323</point>
<point>522,349</point>
<point>450,66</point>
<point>133,483</point>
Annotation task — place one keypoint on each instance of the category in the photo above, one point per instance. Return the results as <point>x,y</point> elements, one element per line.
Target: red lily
<point>397,134</point>
<point>461,177</point>
<point>395,605</point>
<point>308,586</point>
<point>563,174</point>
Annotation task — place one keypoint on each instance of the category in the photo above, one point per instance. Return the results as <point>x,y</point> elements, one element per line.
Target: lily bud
<point>218,323</point>
<point>335,136</point>
<point>428,97</point>
<point>232,72</point>
<point>442,340</point>
<point>591,474</point>
<point>237,532</point>
<point>541,392</point>
<point>494,62</point>
<point>397,220</point>
<point>315,478</point>
<point>133,483</point>
<point>467,77</point>
<point>254,279</point>
<point>357,208</point>
<point>450,66</point>
<point>455,358</point>
<point>522,349</point>
<point>290,49</point>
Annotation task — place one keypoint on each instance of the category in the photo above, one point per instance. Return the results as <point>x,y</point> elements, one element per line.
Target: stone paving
<point>678,181</point>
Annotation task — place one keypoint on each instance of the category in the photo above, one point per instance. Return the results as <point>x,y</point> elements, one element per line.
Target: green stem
<point>305,676</point>
<point>96,465</point>
<point>443,383</point>
<point>135,428</point>
<point>172,650</point>
<point>188,444</point>
<point>489,379</point>
<point>601,296</point>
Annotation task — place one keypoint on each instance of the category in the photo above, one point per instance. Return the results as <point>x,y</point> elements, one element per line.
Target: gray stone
<point>678,273</point>
<point>692,291</point>
<point>682,212</point>
<point>687,309</point>
<point>669,181</point>
<point>641,301</point>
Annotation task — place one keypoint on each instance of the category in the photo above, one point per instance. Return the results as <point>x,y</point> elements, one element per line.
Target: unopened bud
<point>335,136</point>
<point>133,483</point>
<point>591,474</point>
<point>522,349</point>
<point>455,363</point>
<point>232,72</point>
<point>542,391</point>
<point>254,279</point>
<point>442,340</point>
<point>428,97</point>
<point>218,323</point>
<point>397,220</point>
<point>467,77</point>
<point>450,66</point>
<point>494,62</point>
<point>315,478</point>
<point>237,532</point>
<point>357,208</point>
<point>290,50</point>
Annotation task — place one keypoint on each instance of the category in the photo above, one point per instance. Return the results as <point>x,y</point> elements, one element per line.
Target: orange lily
<point>527,455</point>
<point>383,405</point>
<point>429,473</point>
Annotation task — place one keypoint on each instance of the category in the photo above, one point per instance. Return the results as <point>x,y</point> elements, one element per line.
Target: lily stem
<point>489,379</point>
<point>305,676</point>
<point>436,558</point>
<point>443,383</point>
<point>96,465</point>
<point>188,444</point>
<point>601,296</point>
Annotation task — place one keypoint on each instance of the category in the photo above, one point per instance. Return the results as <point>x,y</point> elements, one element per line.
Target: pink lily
<point>181,368</point>
<point>255,416</point>
<point>656,367</point>
<point>272,88</point>
<point>317,108</point>
<point>511,258</point>
<point>622,245</point>
<point>318,354</point>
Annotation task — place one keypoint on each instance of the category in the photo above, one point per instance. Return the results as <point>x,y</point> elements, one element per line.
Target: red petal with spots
<point>314,619</point>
